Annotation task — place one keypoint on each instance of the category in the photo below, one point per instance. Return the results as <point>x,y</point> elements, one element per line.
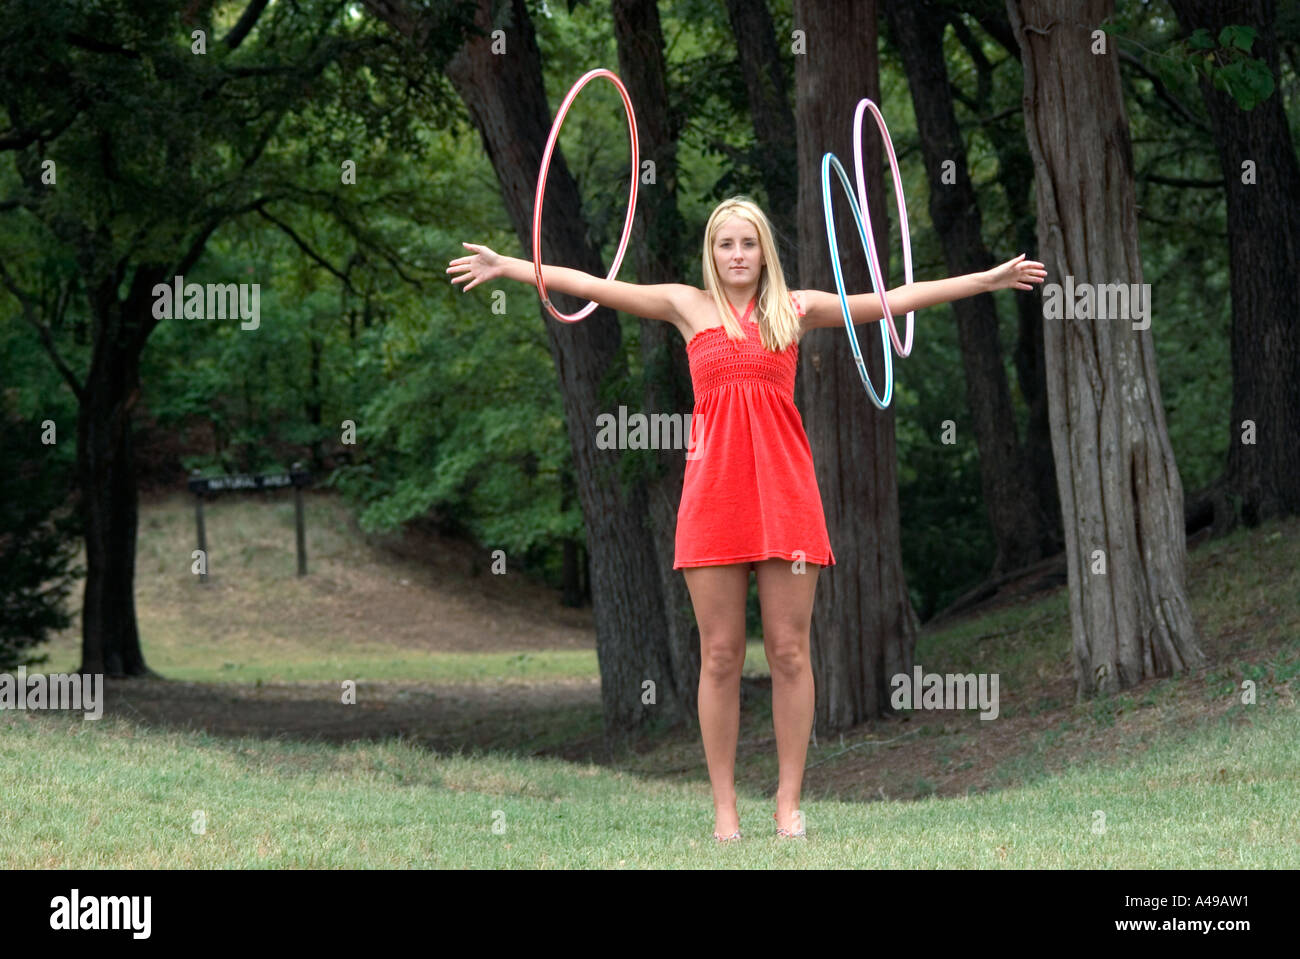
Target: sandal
<point>733,836</point>
<point>787,834</point>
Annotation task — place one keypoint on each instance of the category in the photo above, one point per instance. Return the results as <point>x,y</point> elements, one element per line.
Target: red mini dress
<point>749,492</point>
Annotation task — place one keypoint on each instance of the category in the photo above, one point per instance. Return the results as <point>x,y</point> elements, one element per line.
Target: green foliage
<point>38,531</point>
<point>253,389</point>
<point>458,428</point>
<point>457,408</point>
<point>1223,61</point>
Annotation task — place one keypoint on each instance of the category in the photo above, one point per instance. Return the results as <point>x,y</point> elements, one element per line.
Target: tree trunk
<point>774,127</point>
<point>1121,496</point>
<point>1007,484</point>
<point>1263,468</point>
<point>571,589</point>
<point>657,236</point>
<point>864,627</point>
<point>110,503</point>
<point>506,100</point>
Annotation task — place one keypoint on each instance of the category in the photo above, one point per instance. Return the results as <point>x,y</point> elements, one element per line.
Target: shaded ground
<point>925,753</point>
<point>446,718</point>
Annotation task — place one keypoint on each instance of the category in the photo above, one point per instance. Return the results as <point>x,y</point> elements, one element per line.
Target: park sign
<point>245,481</point>
<point>202,486</point>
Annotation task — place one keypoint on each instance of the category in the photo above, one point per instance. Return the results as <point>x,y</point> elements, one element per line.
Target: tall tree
<point>506,100</point>
<point>658,235</point>
<point>1262,178</point>
<point>864,627</point>
<point>1121,496</point>
<point>1019,521</point>
<point>125,190</point>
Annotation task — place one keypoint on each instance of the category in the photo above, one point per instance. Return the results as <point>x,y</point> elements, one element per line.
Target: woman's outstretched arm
<point>823,309</point>
<point>654,301</point>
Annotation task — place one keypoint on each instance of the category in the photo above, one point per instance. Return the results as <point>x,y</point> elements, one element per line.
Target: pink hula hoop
<point>541,188</point>
<point>874,261</point>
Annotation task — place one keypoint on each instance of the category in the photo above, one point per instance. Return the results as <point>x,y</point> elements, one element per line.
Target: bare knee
<point>787,652</point>
<point>722,657</point>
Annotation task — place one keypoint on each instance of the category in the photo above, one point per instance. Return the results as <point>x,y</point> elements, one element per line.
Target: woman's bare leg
<point>718,595</point>
<point>786,601</point>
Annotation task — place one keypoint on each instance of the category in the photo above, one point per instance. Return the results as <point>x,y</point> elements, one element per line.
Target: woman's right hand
<point>479,267</point>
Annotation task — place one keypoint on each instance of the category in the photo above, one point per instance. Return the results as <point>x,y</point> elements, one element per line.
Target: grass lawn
<point>473,749</point>
<point>109,795</point>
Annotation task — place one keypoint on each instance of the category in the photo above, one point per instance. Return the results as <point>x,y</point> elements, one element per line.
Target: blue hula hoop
<point>827,160</point>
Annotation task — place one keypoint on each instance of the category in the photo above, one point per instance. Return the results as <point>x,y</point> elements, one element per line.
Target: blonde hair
<point>778,323</point>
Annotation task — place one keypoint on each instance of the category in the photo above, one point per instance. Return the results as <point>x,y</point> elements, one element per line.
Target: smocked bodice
<point>717,360</point>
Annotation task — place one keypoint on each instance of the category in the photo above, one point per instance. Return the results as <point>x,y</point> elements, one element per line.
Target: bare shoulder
<point>695,310</point>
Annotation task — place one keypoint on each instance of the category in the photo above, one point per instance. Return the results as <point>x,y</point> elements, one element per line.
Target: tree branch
<point>95,45</point>
<point>188,259</point>
<point>408,20</point>
<point>303,245</point>
<point>61,305</point>
<point>47,340</point>
<point>960,96</point>
<point>15,139</point>
<point>997,27</point>
<point>216,218</point>
<point>983,68</point>
<point>359,234</point>
<point>994,117</point>
<point>1184,182</point>
<point>1162,91</point>
<point>245,25</point>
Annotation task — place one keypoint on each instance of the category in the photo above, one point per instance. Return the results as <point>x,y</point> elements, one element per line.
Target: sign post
<point>208,485</point>
<point>203,540</point>
<point>301,529</point>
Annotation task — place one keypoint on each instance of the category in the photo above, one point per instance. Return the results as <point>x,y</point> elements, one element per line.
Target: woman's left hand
<point>1017,274</point>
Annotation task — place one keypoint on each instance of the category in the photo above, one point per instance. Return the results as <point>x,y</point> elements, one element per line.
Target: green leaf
<point>1240,37</point>
<point>1200,40</point>
<point>1259,78</point>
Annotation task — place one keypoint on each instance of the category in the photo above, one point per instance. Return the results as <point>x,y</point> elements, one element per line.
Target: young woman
<point>749,496</point>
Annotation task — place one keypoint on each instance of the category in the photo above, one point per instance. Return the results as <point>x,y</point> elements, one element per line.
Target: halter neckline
<point>748,310</point>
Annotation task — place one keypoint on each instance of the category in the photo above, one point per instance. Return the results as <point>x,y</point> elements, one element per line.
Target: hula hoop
<point>827,160</point>
<point>873,255</point>
<point>541,188</point>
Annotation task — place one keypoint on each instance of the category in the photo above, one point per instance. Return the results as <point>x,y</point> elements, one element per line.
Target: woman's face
<point>737,254</point>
